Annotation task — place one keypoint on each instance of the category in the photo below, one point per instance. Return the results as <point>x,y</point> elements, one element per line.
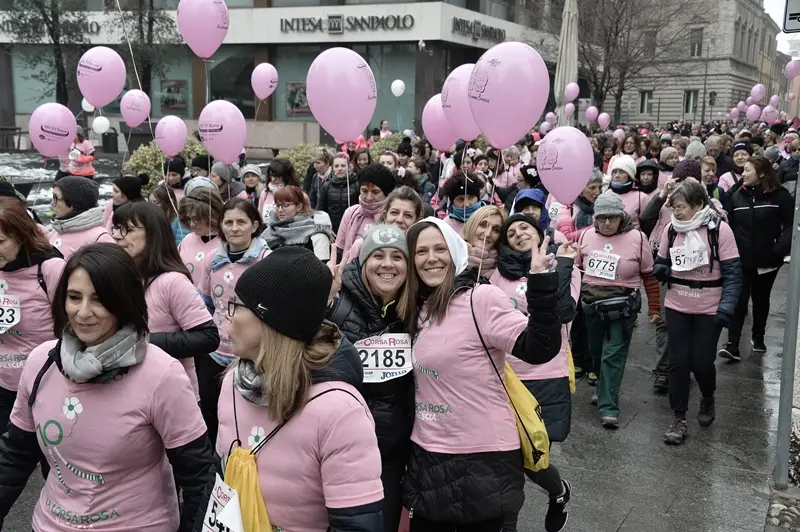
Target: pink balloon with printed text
<point>52,129</point>
<point>134,107</point>
<point>264,80</point>
<point>438,129</point>
<point>171,135</point>
<point>101,75</point>
<point>203,25</point>
<point>222,130</point>
<point>565,160</point>
<point>455,102</point>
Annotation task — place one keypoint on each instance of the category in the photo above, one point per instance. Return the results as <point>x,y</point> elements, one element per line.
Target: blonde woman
<point>482,233</point>
<point>318,462</point>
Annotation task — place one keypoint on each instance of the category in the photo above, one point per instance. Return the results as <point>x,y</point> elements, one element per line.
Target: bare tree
<point>59,23</point>
<point>153,35</point>
<point>623,41</point>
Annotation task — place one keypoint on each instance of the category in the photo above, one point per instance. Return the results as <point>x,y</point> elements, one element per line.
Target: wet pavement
<point>629,480</point>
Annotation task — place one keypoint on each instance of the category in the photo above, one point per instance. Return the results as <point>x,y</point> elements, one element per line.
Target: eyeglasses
<point>232,304</point>
<point>123,230</point>
<point>284,206</point>
<point>606,219</point>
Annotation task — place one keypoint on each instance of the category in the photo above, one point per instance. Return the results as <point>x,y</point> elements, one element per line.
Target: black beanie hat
<point>745,146</point>
<point>378,175</point>
<point>203,162</point>
<point>80,193</point>
<point>519,217</point>
<point>404,148</point>
<point>175,164</point>
<point>454,186</point>
<point>7,190</point>
<point>288,290</point>
<point>131,185</point>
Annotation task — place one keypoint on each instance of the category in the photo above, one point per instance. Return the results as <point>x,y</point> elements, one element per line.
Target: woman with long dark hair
<point>164,198</point>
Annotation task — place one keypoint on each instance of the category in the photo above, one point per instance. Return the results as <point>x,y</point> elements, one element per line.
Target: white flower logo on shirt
<point>522,288</point>
<point>199,255</point>
<point>608,248</point>
<point>3,285</point>
<point>256,435</point>
<point>228,277</point>
<point>57,243</point>
<point>72,407</point>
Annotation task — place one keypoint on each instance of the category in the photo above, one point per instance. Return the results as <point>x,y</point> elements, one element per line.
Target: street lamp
<point>705,82</point>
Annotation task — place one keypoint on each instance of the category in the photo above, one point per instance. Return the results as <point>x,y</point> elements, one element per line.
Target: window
<point>689,102</point>
<point>645,102</point>
<point>230,78</point>
<point>696,42</point>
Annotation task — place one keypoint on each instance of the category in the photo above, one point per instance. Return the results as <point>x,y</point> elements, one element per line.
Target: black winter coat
<point>787,171</point>
<point>359,315</point>
<point>762,224</point>
<point>333,198</point>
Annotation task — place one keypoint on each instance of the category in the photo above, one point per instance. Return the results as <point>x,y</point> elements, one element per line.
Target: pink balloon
<point>749,101</point>
<point>223,130</point>
<point>564,161</point>
<point>774,100</point>
<point>592,114</point>
<point>545,127</point>
<point>753,113</point>
<point>101,75</point>
<point>735,113</point>
<point>619,134</point>
<point>742,107</point>
<point>52,129</point>
<point>455,102</point>
<point>792,69</point>
<point>135,107</point>
<point>551,117</point>
<point>438,129</point>
<point>171,135</point>
<point>604,120</point>
<point>569,110</point>
<point>571,91</point>
<point>508,91</point>
<point>757,92</point>
<point>792,96</point>
<point>769,114</point>
<point>264,80</point>
<point>203,25</point>
<point>341,92</point>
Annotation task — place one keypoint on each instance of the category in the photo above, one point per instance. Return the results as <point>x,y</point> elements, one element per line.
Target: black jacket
<point>762,224</point>
<point>333,198</point>
<point>724,164</point>
<point>475,487</point>
<point>787,171</point>
<point>199,340</point>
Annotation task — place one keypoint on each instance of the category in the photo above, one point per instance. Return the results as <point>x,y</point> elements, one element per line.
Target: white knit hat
<point>626,164</point>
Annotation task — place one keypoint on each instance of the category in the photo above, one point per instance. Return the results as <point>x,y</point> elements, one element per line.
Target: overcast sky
<point>776,8</point>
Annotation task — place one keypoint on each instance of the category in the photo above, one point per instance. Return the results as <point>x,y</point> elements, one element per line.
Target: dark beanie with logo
<point>80,193</point>
<point>288,290</point>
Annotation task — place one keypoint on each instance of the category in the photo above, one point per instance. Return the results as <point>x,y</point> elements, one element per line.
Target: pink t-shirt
<point>698,300</point>
<point>195,255</point>
<point>516,292</point>
<point>173,305</point>
<point>461,407</point>
<point>326,456</point>
<point>634,203</point>
<point>347,234</point>
<point>35,320</point>
<point>617,260</point>
<point>727,180</point>
<point>107,444</point>
<point>508,176</point>
<point>69,243</point>
<point>266,202</point>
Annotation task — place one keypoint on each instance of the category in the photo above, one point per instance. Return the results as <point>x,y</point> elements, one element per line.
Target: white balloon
<point>100,125</point>
<point>398,87</point>
<point>89,108</point>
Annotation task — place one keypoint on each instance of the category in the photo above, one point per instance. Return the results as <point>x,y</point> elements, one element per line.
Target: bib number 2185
<point>385,357</point>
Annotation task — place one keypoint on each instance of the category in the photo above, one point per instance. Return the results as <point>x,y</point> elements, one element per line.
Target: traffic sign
<point>791,17</point>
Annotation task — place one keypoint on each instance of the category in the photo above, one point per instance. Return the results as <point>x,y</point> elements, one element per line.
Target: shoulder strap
<point>671,235</point>
<point>341,310</point>
<point>40,278</point>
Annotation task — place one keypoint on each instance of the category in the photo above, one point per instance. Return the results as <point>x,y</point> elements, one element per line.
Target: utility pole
<point>705,85</point>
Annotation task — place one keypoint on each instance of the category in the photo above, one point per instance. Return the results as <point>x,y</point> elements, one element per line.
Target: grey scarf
<point>84,220</point>
<point>102,362</point>
<point>248,382</point>
<point>296,231</point>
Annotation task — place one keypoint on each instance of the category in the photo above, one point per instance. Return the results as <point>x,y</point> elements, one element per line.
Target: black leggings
<point>209,380</point>
<point>692,340</point>
<point>579,341</point>
<point>392,480</point>
<point>757,287</point>
<point>419,524</point>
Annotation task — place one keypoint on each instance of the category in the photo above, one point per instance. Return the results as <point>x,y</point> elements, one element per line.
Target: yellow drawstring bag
<point>533,437</point>
<point>241,474</point>
<point>571,370</point>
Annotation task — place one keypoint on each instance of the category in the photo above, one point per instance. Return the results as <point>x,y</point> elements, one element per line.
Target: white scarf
<point>693,244</point>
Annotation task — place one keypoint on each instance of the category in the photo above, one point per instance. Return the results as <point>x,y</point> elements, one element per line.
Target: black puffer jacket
<point>762,224</point>
<point>787,171</point>
<point>333,198</point>
<point>359,315</point>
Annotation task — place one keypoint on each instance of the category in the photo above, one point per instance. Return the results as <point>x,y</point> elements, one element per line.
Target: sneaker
<point>610,422</point>
<point>787,259</point>
<point>758,344</point>
<point>593,402</point>
<point>579,372</point>
<point>730,352</point>
<point>591,378</point>
<point>706,412</point>
<point>661,384</point>
<point>677,432</point>
<point>557,514</point>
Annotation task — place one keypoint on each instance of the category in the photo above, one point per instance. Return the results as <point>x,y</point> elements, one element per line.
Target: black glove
<point>662,272</point>
<point>722,319</point>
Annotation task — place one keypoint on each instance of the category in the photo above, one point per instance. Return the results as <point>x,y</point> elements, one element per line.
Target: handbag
<point>533,438</point>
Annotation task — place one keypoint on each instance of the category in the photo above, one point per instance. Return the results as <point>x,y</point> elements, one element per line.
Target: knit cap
<point>251,169</point>
<point>609,204</point>
<point>80,193</point>
<point>461,185</point>
<point>742,146</point>
<point>696,150</point>
<point>626,163</point>
<point>7,190</point>
<point>197,183</point>
<point>131,185</point>
<point>378,175</point>
<point>687,168</point>
<point>519,217</point>
<point>381,236</point>
<point>288,290</point>
<point>203,162</point>
<point>175,164</point>
<point>666,137</point>
<point>226,172</point>
<point>666,153</point>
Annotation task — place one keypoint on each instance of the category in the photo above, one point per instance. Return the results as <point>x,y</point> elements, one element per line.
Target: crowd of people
<point>191,328</point>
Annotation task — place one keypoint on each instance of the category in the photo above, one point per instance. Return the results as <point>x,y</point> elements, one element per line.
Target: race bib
<point>553,210</point>
<point>385,357</point>
<point>10,312</point>
<point>224,514</point>
<point>602,265</point>
<point>683,261</point>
